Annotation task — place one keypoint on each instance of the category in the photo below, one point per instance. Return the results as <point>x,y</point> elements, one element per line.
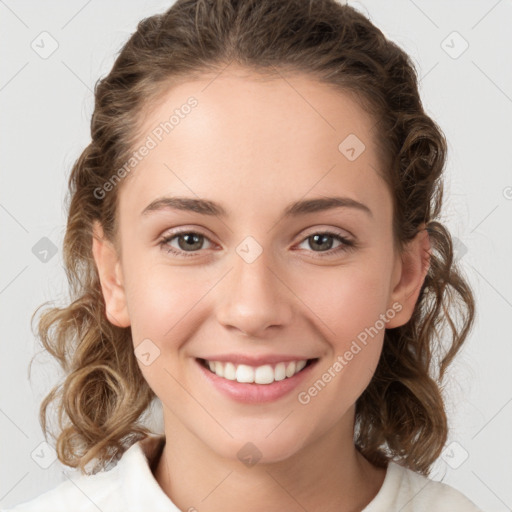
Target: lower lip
<point>256,393</point>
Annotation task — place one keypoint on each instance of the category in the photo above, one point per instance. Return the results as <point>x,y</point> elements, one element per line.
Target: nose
<point>254,297</point>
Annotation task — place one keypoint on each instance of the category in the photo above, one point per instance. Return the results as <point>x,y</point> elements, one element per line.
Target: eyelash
<point>345,246</point>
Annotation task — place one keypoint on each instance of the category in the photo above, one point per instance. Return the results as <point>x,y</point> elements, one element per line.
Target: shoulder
<point>106,490</point>
<point>422,494</point>
<point>408,491</point>
<point>81,492</point>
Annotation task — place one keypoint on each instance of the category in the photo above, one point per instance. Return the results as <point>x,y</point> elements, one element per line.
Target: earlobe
<point>110,274</point>
<point>415,262</point>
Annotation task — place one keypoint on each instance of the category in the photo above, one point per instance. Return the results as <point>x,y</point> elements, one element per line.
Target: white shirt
<point>131,487</point>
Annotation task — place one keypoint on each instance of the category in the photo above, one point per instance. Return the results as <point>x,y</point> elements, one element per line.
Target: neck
<point>329,474</point>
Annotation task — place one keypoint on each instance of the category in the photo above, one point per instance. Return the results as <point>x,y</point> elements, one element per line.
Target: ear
<point>111,279</point>
<point>408,277</point>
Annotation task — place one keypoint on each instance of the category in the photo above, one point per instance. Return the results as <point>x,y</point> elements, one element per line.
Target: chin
<point>258,446</point>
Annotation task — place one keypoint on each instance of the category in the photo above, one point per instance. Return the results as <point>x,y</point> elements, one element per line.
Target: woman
<point>253,241</point>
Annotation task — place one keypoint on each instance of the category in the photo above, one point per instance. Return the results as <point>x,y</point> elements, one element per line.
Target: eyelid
<point>166,238</point>
<point>320,228</point>
<point>185,229</point>
<point>346,242</point>
<point>310,231</point>
<point>343,233</point>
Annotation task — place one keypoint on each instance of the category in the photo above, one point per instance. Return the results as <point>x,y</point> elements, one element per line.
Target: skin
<point>255,146</point>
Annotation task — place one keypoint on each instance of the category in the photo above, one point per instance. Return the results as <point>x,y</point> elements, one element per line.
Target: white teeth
<point>219,369</point>
<point>244,373</point>
<point>300,365</point>
<point>290,369</point>
<point>280,371</point>
<point>229,371</point>
<point>265,374</point>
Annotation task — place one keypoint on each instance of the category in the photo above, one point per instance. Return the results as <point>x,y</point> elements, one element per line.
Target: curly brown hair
<point>103,395</point>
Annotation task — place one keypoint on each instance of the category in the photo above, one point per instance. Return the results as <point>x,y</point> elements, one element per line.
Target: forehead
<point>245,130</point>
<point>239,106</point>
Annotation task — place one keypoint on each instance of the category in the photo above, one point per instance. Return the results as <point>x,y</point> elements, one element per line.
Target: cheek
<point>345,300</point>
<point>159,297</point>
<point>348,304</point>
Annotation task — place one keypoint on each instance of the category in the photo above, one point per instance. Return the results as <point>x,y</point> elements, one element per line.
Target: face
<point>280,251</point>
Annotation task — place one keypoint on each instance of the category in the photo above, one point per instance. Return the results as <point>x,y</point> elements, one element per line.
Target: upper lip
<point>256,360</point>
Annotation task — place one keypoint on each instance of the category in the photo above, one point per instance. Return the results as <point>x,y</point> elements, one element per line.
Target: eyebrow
<point>206,207</point>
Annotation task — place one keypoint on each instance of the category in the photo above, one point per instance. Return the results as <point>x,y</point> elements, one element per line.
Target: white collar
<point>142,488</point>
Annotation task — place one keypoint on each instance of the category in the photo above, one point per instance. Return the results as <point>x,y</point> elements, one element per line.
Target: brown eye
<point>323,242</point>
<point>189,242</point>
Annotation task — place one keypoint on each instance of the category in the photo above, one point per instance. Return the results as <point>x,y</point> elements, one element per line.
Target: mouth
<point>257,375</point>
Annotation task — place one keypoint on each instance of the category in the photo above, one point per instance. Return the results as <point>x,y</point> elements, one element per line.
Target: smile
<point>265,374</point>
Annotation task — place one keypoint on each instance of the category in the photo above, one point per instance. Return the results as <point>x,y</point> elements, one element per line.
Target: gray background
<point>46,102</point>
